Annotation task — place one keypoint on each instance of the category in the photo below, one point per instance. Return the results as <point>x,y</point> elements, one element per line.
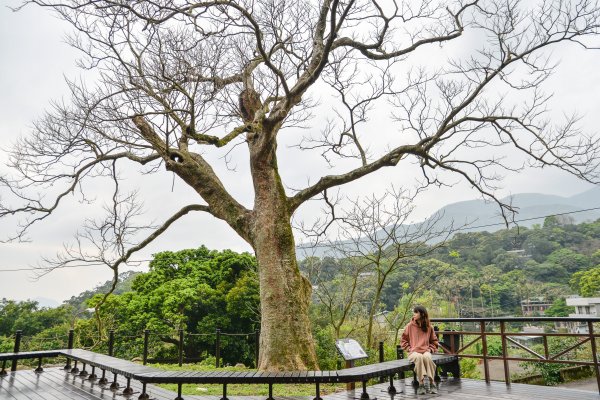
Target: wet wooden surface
<point>57,384</point>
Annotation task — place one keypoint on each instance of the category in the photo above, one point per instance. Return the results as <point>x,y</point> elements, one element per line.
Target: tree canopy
<point>196,290</point>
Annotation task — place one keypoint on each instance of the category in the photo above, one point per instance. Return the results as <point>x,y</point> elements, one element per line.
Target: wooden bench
<point>356,374</point>
<point>148,375</point>
<point>26,355</point>
<point>105,363</point>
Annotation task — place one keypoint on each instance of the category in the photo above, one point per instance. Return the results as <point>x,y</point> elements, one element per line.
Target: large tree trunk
<point>286,341</point>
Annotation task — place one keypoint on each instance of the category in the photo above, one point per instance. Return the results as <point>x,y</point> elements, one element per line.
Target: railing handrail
<point>518,319</point>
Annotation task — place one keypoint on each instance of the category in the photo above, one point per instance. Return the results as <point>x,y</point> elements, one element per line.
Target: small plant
<point>468,368</point>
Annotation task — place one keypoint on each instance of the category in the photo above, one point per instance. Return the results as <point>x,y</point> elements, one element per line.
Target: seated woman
<point>420,341</point>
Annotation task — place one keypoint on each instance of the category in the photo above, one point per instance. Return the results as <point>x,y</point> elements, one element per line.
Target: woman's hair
<point>423,321</point>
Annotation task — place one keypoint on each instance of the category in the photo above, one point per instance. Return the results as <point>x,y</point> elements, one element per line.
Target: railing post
<point>400,356</point>
<point>145,354</point>
<point>18,335</point>
<point>180,355</point>
<point>350,385</point>
<point>504,353</point>
<point>70,341</point>
<point>486,367</point>
<point>381,358</point>
<point>256,347</point>
<point>594,352</point>
<point>111,342</point>
<point>218,348</point>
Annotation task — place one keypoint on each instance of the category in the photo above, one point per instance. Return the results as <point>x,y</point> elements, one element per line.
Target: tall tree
<point>177,80</point>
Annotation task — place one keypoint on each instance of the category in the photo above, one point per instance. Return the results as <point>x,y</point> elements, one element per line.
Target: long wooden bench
<point>356,374</point>
<point>27,355</point>
<point>116,366</point>
<point>147,375</point>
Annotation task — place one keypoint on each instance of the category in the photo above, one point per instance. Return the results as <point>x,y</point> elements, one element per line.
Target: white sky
<point>33,60</point>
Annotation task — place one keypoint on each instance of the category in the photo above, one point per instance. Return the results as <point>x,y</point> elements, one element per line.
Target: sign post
<point>350,350</point>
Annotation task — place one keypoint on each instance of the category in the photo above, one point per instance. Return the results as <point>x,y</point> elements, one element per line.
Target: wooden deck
<point>57,384</point>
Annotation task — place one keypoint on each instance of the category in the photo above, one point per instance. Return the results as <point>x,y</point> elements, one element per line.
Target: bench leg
<point>437,378</point>
<point>402,378</point>
<point>415,381</point>
<point>179,392</point>
<point>128,390</point>
<point>83,372</point>
<point>455,369</point>
<point>115,384</point>
<point>391,388</point>
<point>39,367</point>
<point>318,392</point>
<point>103,380</point>
<point>144,395</point>
<point>443,373</point>
<point>93,376</point>
<point>3,370</point>
<point>364,395</point>
<point>224,392</point>
<point>75,370</point>
<point>270,392</point>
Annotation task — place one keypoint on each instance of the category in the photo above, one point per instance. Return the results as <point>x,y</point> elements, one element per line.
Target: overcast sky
<point>33,61</point>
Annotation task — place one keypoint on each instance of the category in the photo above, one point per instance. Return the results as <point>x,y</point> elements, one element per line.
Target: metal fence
<point>140,344</point>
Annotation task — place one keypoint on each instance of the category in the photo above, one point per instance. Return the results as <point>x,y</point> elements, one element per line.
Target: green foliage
<point>468,368</point>
<point>551,372</point>
<point>125,280</point>
<point>494,346</point>
<point>559,308</point>
<point>6,344</point>
<point>570,260</point>
<point>587,283</point>
<point>326,351</point>
<point>27,317</point>
<point>595,258</point>
<point>197,290</point>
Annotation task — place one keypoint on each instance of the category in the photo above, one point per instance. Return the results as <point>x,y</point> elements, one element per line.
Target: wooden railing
<point>456,331</point>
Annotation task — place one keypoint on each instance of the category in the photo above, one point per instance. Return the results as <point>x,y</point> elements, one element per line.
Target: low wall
<point>566,374</point>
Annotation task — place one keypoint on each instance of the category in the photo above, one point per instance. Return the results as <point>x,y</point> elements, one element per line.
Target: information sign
<point>350,349</point>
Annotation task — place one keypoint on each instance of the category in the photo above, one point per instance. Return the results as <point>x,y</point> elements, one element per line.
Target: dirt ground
<point>497,369</point>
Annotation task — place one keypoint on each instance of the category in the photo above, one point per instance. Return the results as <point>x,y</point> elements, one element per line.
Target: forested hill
<point>480,273</point>
<point>123,285</point>
<point>480,216</point>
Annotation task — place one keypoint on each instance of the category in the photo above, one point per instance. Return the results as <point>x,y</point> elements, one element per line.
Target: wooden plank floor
<point>57,384</point>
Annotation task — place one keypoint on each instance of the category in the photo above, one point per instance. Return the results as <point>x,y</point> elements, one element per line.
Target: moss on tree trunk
<point>286,341</point>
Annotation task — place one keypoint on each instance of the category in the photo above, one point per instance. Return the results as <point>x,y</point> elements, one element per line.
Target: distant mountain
<point>123,285</point>
<point>46,302</point>
<point>480,215</point>
<point>531,207</point>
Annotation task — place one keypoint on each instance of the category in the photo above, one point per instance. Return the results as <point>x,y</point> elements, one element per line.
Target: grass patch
<point>243,389</point>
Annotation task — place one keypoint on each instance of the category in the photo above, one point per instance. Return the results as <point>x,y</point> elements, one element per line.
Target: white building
<point>585,307</point>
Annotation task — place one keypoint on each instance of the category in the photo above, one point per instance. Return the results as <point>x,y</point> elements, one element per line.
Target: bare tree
<point>343,295</point>
<point>377,233</point>
<point>179,79</point>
